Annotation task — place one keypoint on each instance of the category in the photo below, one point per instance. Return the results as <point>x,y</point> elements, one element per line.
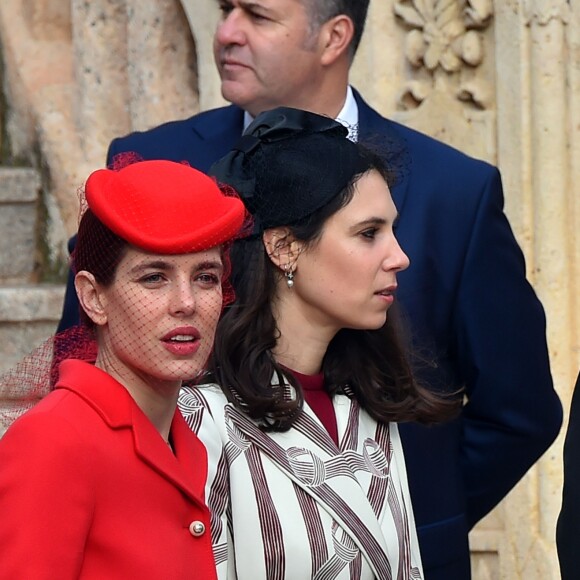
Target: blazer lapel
<point>219,130</point>
<point>119,410</point>
<point>383,134</point>
<point>187,468</point>
<point>312,461</point>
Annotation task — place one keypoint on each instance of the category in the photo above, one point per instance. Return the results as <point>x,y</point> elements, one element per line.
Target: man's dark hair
<point>322,11</point>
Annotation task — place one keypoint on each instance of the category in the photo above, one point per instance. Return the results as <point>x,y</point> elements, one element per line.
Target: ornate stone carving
<point>542,11</point>
<point>444,40</point>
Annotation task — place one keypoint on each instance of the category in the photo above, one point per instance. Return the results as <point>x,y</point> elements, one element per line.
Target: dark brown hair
<point>99,251</point>
<point>369,365</point>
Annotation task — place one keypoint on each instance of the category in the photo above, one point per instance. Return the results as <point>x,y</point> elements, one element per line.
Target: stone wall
<point>80,73</point>
<point>497,78</point>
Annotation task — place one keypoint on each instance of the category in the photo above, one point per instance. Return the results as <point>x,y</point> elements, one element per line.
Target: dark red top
<point>319,400</point>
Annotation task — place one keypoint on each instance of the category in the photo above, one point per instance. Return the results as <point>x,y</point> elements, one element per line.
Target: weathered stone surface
<point>203,16</point>
<point>31,63</point>
<point>48,19</point>
<point>41,302</point>
<point>19,192</point>
<point>19,339</point>
<point>18,185</point>
<point>28,315</point>
<point>18,241</point>
<point>102,100</point>
<point>162,63</point>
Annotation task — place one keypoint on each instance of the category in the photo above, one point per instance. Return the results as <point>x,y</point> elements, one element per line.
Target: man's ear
<point>91,297</point>
<point>336,37</point>
<point>282,247</point>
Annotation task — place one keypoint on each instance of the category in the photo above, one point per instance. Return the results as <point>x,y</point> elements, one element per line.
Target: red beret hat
<point>164,207</point>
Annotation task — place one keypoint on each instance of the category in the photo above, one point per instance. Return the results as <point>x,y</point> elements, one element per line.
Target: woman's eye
<point>369,234</point>
<point>208,279</point>
<point>152,278</point>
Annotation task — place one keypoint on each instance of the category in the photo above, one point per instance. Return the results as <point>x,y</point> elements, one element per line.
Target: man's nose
<point>230,30</point>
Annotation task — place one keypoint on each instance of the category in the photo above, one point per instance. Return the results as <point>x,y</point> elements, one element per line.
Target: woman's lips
<point>387,294</point>
<point>184,341</point>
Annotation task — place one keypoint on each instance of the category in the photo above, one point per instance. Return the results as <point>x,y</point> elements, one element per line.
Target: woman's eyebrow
<point>165,266</point>
<point>371,221</point>
<point>210,265</point>
<point>153,265</point>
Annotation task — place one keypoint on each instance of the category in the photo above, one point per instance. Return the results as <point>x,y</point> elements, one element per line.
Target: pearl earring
<point>289,276</point>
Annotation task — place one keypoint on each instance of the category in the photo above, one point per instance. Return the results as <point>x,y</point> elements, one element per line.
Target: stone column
<point>538,110</point>
<point>573,97</point>
<point>203,16</point>
<point>2,113</point>
<point>162,63</point>
<point>100,64</point>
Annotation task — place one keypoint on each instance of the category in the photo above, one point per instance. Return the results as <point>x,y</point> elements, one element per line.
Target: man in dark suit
<point>472,312</point>
<point>568,529</point>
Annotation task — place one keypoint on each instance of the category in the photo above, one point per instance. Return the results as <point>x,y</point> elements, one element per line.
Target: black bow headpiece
<point>288,164</point>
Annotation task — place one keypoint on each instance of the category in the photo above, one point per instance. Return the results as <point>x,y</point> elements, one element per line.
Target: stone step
<point>19,195</point>
<point>28,315</point>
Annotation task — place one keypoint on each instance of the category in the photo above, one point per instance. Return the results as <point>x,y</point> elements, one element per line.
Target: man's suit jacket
<point>568,529</point>
<point>89,489</point>
<point>476,322</point>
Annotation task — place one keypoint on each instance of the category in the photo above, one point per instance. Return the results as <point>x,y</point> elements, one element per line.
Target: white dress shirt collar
<point>348,116</point>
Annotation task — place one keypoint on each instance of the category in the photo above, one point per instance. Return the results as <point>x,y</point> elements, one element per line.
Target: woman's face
<point>159,315</point>
<point>348,278</point>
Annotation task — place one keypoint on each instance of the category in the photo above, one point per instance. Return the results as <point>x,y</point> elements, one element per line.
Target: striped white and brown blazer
<point>294,506</point>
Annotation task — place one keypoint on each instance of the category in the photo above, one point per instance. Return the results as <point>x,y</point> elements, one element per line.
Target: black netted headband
<point>290,163</point>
